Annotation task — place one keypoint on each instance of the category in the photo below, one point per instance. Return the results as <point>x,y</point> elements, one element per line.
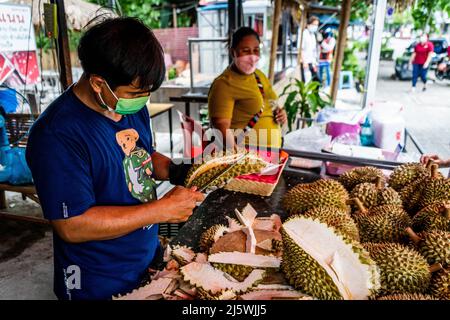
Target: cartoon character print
<point>137,165</point>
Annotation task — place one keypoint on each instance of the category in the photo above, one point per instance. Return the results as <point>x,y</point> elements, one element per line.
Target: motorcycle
<point>442,71</point>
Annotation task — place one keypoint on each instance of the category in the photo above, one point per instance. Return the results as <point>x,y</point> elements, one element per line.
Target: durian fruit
<point>212,283</point>
<point>413,195</point>
<point>240,264</point>
<point>406,174</point>
<point>338,219</point>
<point>435,190</point>
<point>402,269</point>
<point>440,284</point>
<point>211,235</point>
<point>352,178</point>
<point>408,296</point>
<point>182,254</point>
<point>325,193</point>
<point>374,194</point>
<point>433,245</point>
<point>436,216</point>
<point>199,175</point>
<point>321,263</point>
<point>382,224</point>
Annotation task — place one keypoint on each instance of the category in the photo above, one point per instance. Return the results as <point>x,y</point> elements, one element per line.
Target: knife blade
<point>221,173</point>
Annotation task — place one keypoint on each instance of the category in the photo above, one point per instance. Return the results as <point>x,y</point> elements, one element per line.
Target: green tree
<point>360,9</point>
<point>424,10</point>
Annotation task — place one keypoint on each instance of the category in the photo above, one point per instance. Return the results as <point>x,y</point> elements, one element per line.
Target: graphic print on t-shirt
<point>137,166</point>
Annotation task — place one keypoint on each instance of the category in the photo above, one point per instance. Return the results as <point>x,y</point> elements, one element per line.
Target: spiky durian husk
<point>435,247</point>
<point>408,296</point>
<point>336,218</point>
<point>327,193</point>
<point>307,275</point>
<point>389,196</point>
<point>239,272</point>
<point>311,278</point>
<point>434,191</point>
<point>411,195</point>
<point>367,193</point>
<point>352,178</point>
<point>208,237</point>
<point>406,174</point>
<point>440,284</point>
<point>383,224</point>
<point>252,163</point>
<point>402,269</point>
<point>433,217</point>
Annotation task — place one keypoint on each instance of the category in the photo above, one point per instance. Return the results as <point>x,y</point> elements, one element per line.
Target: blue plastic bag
<point>19,171</point>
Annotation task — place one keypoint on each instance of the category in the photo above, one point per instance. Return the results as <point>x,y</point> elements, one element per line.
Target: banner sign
<point>16,28</point>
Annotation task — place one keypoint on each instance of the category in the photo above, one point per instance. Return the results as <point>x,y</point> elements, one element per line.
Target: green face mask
<point>126,106</point>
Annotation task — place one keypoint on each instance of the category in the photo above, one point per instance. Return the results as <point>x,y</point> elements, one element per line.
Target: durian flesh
<point>320,262</point>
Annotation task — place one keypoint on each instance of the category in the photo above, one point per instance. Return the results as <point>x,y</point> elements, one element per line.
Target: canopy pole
<point>341,42</point>
<point>274,43</point>
<point>63,50</point>
<point>373,60</point>
<point>300,41</point>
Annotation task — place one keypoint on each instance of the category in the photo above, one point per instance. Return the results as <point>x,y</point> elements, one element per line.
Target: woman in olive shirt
<point>235,96</point>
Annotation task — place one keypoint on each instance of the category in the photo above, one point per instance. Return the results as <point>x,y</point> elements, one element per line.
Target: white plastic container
<point>388,130</point>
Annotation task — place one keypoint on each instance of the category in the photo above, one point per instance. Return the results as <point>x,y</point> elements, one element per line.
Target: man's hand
<point>280,116</point>
<point>180,202</point>
<point>442,163</point>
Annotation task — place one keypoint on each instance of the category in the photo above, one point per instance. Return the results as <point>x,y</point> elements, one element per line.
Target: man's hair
<point>240,34</point>
<point>122,50</point>
<point>312,19</point>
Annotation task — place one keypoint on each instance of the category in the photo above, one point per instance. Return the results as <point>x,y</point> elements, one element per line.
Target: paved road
<point>427,113</point>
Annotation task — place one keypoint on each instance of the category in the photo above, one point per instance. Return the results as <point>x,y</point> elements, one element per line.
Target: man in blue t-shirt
<point>94,167</point>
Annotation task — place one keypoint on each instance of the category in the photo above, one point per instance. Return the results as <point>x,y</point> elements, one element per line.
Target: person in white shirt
<point>309,48</point>
<point>326,55</point>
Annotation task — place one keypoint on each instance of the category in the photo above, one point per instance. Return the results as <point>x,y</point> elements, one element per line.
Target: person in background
<point>242,94</point>
<point>309,48</point>
<point>420,60</point>
<point>326,55</point>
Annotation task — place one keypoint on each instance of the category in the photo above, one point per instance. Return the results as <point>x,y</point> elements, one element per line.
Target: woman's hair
<point>312,19</point>
<point>123,50</point>
<point>240,34</point>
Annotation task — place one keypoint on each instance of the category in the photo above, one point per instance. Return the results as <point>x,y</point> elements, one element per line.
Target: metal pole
<point>62,45</point>
<point>373,60</point>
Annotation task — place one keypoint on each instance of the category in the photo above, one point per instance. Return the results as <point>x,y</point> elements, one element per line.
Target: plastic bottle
<point>366,134</point>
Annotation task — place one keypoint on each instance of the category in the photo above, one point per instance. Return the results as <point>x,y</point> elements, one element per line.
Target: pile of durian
<point>362,236</point>
<point>368,236</point>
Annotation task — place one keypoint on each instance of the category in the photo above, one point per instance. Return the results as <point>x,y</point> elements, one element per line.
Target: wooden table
<point>156,109</point>
<point>190,97</point>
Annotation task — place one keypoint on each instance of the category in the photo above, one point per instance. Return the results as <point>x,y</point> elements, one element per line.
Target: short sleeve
<point>61,174</point>
<point>220,100</point>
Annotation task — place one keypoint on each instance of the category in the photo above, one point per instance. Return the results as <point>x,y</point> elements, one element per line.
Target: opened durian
<point>240,264</point>
<point>408,296</point>
<point>325,193</point>
<point>406,174</point>
<point>212,283</point>
<point>374,194</point>
<point>433,245</point>
<point>200,174</point>
<point>433,217</point>
<point>211,235</point>
<point>382,224</point>
<point>352,178</point>
<point>336,218</point>
<point>402,269</point>
<point>440,284</point>
<point>322,263</point>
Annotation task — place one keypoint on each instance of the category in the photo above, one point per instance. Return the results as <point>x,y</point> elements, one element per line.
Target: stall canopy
<point>78,12</point>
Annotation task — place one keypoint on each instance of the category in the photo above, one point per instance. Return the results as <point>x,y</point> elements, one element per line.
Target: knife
<point>221,173</point>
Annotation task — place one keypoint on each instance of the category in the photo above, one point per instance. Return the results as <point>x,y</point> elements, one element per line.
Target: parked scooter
<point>442,71</point>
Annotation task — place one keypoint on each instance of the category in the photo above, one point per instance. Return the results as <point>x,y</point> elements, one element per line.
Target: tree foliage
<point>424,11</point>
